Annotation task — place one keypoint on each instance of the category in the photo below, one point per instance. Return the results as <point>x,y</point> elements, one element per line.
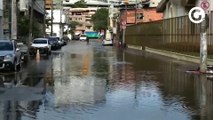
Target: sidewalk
<point>170,54</point>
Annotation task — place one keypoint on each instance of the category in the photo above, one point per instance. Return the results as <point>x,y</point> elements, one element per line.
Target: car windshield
<point>52,40</point>
<point>6,46</point>
<point>40,41</point>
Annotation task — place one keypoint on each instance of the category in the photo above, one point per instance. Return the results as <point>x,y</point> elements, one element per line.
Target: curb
<point>170,54</point>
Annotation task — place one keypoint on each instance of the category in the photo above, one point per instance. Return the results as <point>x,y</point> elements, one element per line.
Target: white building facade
<point>58,18</point>
<point>177,8</point>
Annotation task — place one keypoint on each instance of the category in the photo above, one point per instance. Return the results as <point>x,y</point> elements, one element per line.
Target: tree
<point>23,27</point>
<point>72,25</point>
<point>80,4</point>
<point>100,19</point>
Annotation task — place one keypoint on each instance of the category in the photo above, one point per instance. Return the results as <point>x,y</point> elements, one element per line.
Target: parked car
<point>65,39</point>
<point>107,42</point>
<point>24,51</point>
<point>54,42</point>
<point>83,37</point>
<point>41,44</point>
<point>76,37</point>
<point>10,55</point>
<point>62,42</point>
<point>108,39</point>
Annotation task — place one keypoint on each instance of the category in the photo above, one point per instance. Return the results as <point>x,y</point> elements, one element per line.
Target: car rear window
<point>53,38</point>
<point>40,41</point>
<point>6,46</point>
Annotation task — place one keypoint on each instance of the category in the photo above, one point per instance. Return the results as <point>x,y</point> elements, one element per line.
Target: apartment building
<point>82,16</point>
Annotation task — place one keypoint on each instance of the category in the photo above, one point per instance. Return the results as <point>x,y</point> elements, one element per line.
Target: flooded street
<point>92,82</point>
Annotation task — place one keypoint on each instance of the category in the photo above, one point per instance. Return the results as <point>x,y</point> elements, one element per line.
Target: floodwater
<point>92,82</point>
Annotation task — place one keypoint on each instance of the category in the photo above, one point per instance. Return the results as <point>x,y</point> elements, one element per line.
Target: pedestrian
<point>87,39</point>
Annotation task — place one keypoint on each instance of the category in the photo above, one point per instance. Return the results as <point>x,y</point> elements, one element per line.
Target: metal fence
<point>181,35</point>
<point>175,34</point>
<point>146,34</point>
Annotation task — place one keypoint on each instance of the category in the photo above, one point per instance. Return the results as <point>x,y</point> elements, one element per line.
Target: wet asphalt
<point>95,82</point>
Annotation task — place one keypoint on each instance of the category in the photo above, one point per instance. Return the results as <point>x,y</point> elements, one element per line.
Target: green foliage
<point>72,25</point>
<point>80,4</point>
<point>37,29</point>
<point>23,26</point>
<point>100,19</point>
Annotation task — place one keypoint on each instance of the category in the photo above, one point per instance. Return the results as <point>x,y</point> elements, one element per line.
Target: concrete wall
<point>174,11</point>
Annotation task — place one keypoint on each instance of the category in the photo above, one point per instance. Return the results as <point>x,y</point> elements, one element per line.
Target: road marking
<point>85,68</point>
<point>37,55</point>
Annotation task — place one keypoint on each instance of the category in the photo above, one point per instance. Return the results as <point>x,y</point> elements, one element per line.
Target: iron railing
<point>177,34</point>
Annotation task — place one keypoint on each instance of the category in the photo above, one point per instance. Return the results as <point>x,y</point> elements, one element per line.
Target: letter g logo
<point>196,15</point>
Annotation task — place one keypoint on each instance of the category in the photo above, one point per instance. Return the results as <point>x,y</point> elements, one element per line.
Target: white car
<point>83,37</point>
<point>41,44</point>
<point>10,55</point>
<point>107,42</point>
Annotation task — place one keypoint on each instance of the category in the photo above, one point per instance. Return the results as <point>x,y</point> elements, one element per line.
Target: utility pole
<point>124,29</point>
<point>31,21</point>
<point>30,27</point>
<point>203,44</point>
<point>1,19</point>
<point>44,19</point>
<point>13,20</point>
<point>136,7</point>
<point>61,12</point>
<point>51,32</point>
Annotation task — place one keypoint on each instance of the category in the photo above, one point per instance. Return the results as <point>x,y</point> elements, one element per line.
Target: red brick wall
<point>150,14</point>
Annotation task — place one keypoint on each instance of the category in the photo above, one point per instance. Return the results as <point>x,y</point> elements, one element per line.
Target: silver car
<point>10,55</point>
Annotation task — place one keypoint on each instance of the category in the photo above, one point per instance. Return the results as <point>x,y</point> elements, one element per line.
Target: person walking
<point>87,39</point>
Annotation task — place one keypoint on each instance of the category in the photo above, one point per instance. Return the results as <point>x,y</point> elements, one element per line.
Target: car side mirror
<point>17,49</point>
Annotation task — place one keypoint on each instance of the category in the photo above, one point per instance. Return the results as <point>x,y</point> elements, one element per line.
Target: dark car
<point>65,40</point>
<point>24,51</point>
<point>76,37</point>
<point>54,42</point>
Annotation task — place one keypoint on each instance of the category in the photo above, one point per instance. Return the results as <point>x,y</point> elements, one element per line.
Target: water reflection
<point>71,86</point>
<point>116,86</point>
<point>187,95</point>
<point>79,90</point>
<point>21,93</point>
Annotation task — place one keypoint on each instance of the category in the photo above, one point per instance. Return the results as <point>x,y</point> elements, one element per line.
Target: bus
<point>92,34</point>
